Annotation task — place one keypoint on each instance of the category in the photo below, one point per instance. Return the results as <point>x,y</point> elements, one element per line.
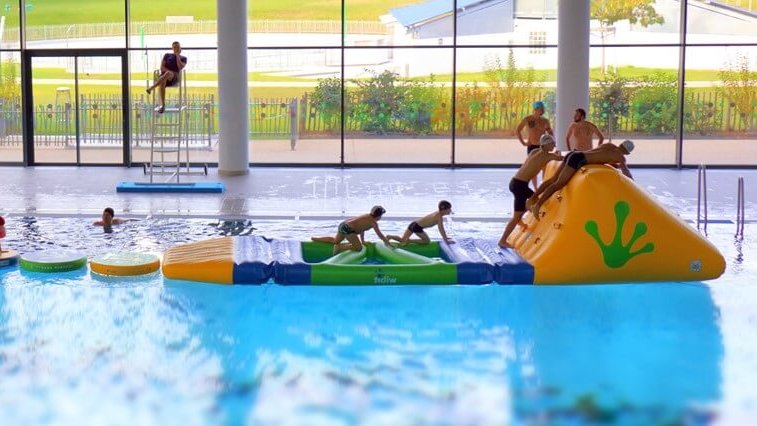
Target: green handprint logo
<point>616,254</point>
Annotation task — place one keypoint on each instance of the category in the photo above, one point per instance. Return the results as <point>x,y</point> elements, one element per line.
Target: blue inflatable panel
<point>190,187</point>
<point>476,258</point>
<point>253,260</point>
<point>510,268</point>
<point>472,266</point>
<point>290,267</point>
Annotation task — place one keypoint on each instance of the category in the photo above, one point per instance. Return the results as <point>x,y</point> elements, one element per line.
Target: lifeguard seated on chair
<point>170,69</point>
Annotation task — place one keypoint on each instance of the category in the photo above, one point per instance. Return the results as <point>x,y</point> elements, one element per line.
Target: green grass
<point>66,12</point>
<point>744,4</point>
<point>594,74</point>
<point>59,73</point>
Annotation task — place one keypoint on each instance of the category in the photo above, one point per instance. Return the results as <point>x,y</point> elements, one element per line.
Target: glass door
<point>77,108</point>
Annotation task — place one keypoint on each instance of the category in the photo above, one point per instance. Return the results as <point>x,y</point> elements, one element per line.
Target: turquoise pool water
<point>76,349</point>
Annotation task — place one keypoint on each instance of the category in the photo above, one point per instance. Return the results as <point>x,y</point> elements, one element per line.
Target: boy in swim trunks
<point>353,230</point>
<point>108,218</point>
<point>417,227</point>
<point>534,163</point>
<point>604,154</point>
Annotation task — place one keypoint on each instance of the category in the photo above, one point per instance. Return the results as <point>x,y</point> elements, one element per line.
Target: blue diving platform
<point>189,187</point>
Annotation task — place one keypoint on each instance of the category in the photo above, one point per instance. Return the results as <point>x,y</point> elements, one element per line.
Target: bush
<point>471,107</point>
<point>512,87</point>
<point>701,116</point>
<point>740,88</point>
<point>327,100</point>
<point>377,102</point>
<point>422,106</point>
<point>655,104</point>
<point>610,100</point>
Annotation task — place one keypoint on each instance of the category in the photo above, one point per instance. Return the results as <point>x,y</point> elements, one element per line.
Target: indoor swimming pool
<point>79,348</point>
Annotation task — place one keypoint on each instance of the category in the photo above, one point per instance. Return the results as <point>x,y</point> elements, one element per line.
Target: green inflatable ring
<point>52,261</point>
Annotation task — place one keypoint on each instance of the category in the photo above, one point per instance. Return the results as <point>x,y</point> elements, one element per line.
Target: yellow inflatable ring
<point>125,264</point>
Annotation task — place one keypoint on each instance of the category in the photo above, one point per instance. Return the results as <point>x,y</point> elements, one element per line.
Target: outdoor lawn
<point>66,12</point>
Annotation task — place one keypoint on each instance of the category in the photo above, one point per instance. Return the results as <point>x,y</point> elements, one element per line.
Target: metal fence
<point>101,122</point>
<point>116,29</point>
<point>291,118</point>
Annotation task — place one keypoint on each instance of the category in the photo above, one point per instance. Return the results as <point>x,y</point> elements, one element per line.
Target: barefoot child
<point>417,227</point>
<point>535,161</point>
<point>353,230</point>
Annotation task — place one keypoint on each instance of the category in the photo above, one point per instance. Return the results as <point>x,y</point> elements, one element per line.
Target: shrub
<point>377,102</point>
<point>471,107</point>
<point>421,102</point>
<point>655,104</point>
<point>327,100</point>
<point>610,100</point>
<point>512,87</point>
<point>740,88</point>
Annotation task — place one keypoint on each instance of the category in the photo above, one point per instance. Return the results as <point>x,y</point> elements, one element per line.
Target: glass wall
<point>11,117</point>
<point>65,24</point>
<point>397,106</point>
<point>360,82</point>
<point>720,106</point>
<point>495,88</point>
<point>295,105</point>
<point>635,97</point>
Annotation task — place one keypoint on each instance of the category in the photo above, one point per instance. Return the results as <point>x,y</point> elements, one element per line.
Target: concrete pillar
<point>233,151</point>
<point>572,64</point>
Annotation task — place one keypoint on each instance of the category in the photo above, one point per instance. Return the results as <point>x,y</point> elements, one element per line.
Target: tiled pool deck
<point>327,193</point>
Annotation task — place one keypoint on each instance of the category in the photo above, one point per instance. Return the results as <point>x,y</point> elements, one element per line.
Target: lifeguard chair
<point>169,135</point>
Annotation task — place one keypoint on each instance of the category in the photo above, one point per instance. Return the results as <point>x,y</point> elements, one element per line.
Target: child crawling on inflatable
<point>418,226</point>
<point>353,230</point>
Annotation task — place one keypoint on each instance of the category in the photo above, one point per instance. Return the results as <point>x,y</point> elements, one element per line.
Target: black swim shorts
<point>575,160</point>
<point>415,228</point>
<point>522,192</point>
<point>530,148</point>
<point>345,229</point>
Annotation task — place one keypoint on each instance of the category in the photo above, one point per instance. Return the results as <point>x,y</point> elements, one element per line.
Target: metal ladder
<point>170,136</point>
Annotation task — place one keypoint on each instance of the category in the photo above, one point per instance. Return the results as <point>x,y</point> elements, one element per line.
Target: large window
<point>496,88</point>
<point>634,95</point>
<point>720,106</point>
<point>361,82</point>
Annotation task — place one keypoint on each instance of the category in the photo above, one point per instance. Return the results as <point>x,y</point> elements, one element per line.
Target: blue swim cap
<point>538,104</point>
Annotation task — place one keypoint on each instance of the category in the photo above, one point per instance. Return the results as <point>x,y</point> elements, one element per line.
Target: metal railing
<point>740,210</point>
<point>702,197</point>
<point>289,118</point>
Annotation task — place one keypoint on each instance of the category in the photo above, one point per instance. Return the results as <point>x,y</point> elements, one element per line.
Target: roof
<point>421,12</point>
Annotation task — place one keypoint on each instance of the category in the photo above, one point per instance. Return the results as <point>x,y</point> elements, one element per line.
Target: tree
<point>641,12</point>
<point>739,86</point>
<point>608,12</point>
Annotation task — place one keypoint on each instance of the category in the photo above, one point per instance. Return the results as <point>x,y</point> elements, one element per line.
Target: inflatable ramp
<point>603,228</point>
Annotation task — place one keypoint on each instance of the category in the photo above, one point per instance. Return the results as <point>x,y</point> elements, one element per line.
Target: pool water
<point>76,348</point>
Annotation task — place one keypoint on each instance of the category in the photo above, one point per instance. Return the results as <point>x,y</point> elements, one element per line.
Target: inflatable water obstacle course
<point>600,228</point>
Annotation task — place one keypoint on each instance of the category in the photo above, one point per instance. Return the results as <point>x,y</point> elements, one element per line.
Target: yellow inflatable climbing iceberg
<point>603,228</point>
